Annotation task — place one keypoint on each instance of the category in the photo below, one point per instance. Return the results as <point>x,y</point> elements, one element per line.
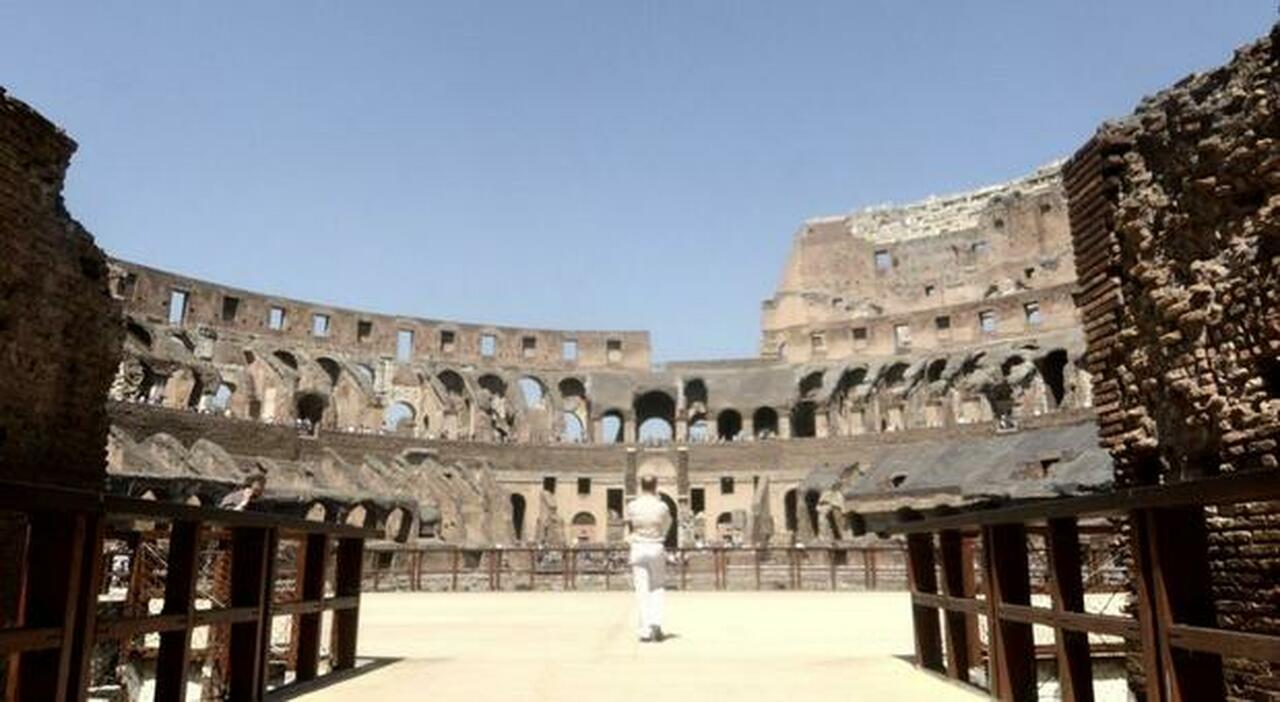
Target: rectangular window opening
<point>929,290</point>
<point>902,336</point>
<point>320,325</point>
<point>529,346</point>
<point>177,306</point>
<point>697,500</point>
<point>364,330</point>
<point>884,260</point>
<point>569,350</point>
<point>987,321</point>
<point>726,485</point>
<point>584,486</point>
<point>275,318</point>
<point>549,484</point>
<point>1034,316</point>
<point>447,340</point>
<point>942,323</point>
<point>613,350</point>
<point>859,336</point>
<point>230,308</point>
<point>613,498</point>
<point>404,344</point>
<point>488,345</point>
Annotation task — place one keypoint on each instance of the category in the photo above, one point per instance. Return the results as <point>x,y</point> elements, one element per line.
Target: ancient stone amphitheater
<point>912,359</point>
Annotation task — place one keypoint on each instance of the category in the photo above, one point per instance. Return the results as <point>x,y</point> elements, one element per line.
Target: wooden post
<point>924,579</point>
<point>1066,588</point>
<point>1148,633</point>
<point>969,570</point>
<point>84,621</point>
<point>317,549</point>
<point>952,551</point>
<point>757,564</point>
<point>246,660</point>
<point>1014,652</point>
<point>1178,545</point>
<point>268,600</point>
<point>346,622</point>
<point>174,657</point>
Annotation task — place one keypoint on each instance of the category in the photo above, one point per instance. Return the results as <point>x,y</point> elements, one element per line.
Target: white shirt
<point>649,518</point>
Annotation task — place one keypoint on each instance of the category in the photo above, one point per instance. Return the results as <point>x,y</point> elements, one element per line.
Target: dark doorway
<point>789,507</point>
<point>517,516</point>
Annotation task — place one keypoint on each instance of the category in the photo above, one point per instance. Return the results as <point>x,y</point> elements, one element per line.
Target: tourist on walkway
<point>647,520</point>
<point>238,500</point>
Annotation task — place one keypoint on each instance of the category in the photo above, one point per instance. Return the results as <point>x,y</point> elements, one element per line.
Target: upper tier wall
<point>944,272</point>
<point>149,294</point>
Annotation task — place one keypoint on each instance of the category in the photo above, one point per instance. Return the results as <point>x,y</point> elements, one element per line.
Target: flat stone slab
<point>742,647</point>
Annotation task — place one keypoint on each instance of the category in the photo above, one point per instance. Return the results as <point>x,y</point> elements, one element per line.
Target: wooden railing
<point>188,569</point>
<point>604,567</point>
<point>1173,630</point>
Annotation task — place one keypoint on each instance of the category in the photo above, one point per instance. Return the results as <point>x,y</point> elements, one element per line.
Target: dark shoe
<point>656,635</point>
<point>647,638</point>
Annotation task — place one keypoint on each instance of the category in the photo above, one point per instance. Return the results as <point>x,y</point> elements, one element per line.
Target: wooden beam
<point>1066,589</point>
<point>174,657</point>
<point>51,599</point>
<point>85,623</point>
<point>953,584</point>
<point>1009,582</point>
<point>1149,637</point>
<point>924,579</point>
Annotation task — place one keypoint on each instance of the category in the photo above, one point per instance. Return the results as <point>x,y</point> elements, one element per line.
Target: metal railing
<point>604,567</point>
<point>109,580</point>
<point>1173,631</point>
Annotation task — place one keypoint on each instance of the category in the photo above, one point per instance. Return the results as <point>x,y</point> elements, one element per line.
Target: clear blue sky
<point>584,164</point>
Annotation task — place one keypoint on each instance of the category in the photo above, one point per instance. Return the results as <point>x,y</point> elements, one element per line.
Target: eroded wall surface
<point>1176,218</point>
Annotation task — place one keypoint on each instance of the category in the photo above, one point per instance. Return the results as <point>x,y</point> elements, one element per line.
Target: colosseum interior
<point>1103,330</point>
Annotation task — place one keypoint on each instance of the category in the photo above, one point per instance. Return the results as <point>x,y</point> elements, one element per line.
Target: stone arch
<point>357,516</point>
<point>584,527</point>
<point>764,422</point>
<point>220,400</point>
<point>316,512</point>
<point>1053,369</point>
<point>811,383</point>
<point>332,369</point>
<point>804,419</point>
<point>494,384</point>
<point>728,424</point>
<point>287,358</point>
<point>655,416</point>
<point>612,424</point>
<point>311,407</point>
<point>400,417</point>
<point>573,431</point>
<point>138,333</point>
<point>533,391</point>
<point>695,394</point>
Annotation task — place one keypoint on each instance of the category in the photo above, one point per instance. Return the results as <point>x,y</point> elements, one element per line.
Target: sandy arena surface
<point>581,646</point>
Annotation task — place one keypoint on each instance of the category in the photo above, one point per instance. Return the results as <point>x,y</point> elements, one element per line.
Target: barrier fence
<point>235,602</point>
<point>971,577</point>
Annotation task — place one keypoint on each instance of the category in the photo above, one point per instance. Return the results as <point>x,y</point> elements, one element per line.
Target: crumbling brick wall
<point>59,329</point>
<point>1175,215</point>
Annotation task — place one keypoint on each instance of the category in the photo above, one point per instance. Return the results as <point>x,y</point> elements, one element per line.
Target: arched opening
<point>220,401</point>
<point>584,527</point>
<point>764,422</point>
<point>573,431</point>
<point>365,373</point>
<point>310,406</point>
<point>330,368</point>
<point>495,385</point>
<point>811,509</point>
<point>357,516</point>
<point>811,383</point>
<point>533,392</point>
<point>611,427</point>
<point>724,526</point>
<point>572,387</point>
<point>790,511</point>
<point>656,414</point>
<point>138,334</point>
<point>1053,371</point>
<point>673,532</point>
<point>728,425</point>
<point>399,418</point>
<point>316,512</point>
<point>698,430</point>
<point>695,392</point>
<point>452,382</point>
<point>894,375</point>
<point>287,358</point>
<point>936,369</point>
<point>804,419</point>
<point>517,515</point>
<point>656,430</point>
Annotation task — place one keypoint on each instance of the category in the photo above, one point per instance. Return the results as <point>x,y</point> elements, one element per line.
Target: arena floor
<point>580,646</point>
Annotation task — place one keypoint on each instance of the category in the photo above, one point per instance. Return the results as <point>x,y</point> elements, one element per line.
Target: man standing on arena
<point>647,520</point>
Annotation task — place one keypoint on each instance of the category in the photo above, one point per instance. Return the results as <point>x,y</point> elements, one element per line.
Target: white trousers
<point>649,576</point>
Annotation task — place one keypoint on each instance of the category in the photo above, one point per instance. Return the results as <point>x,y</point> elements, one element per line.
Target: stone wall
<point>59,341</point>
<point>1175,214</point>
